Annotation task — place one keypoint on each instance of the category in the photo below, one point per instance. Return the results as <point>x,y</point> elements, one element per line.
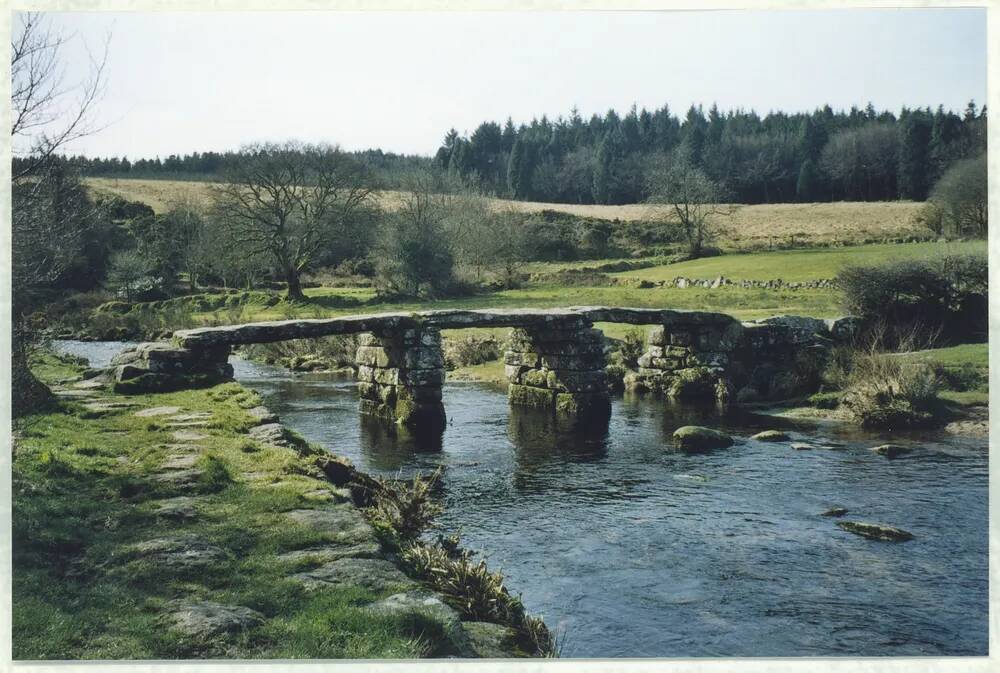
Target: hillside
<point>750,226</point>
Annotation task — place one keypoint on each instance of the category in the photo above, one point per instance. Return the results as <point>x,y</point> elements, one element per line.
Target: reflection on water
<point>636,550</point>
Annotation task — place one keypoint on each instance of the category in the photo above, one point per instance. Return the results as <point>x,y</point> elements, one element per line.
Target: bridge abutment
<point>559,368</point>
<point>400,374</point>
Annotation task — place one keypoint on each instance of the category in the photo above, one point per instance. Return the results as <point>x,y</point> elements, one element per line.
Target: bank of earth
<point>193,524</point>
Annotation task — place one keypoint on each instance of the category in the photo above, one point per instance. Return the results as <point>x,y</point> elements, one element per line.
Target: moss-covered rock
<point>771,436</point>
<point>695,438</point>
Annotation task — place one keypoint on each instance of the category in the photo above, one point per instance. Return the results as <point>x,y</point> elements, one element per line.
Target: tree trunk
<point>294,285</point>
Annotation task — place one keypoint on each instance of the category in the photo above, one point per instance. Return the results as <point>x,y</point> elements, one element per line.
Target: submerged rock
<point>698,438</point>
<point>835,511</point>
<point>875,531</point>
<point>771,436</point>
<point>890,450</point>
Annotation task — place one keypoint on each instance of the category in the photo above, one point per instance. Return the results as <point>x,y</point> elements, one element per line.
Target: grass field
<point>759,225</point>
<point>798,265</point>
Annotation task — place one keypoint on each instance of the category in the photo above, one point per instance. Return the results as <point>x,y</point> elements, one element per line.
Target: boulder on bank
<point>771,436</point>
<point>875,531</point>
<point>694,438</point>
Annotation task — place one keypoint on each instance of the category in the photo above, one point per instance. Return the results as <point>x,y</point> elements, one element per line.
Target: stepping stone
<point>187,424</point>
<point>329,553</point>
<point>180,461</point>
<point>180,553</point>
<point>375,574</point>
<point>157,411</point>
<point>180,508</point>
<point>188,436</point>
<point>205,620</point>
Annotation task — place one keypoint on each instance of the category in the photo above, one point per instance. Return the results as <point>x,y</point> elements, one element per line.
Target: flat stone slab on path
<point>179,553</point>
<point>375,574</point>
<point>206,619</point>
<point>184,461</point>
<point>342,520</point>
<point>333,552</point>
<point>182,479</point>
<point>180,508</point>
<point>189,436</point>
<point>157,411</point>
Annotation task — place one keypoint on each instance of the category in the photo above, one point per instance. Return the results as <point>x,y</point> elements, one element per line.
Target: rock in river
<point>875,531</point>
<point>891,450</point>
<point>835,511</point>
<point>771,436</point>
<point>698,438</point>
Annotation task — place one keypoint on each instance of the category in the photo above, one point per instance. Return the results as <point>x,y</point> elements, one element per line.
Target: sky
<point>183,82</point>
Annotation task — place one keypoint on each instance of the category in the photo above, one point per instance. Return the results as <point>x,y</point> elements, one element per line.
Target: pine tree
<point>914,155</point>
<point>807,187</point>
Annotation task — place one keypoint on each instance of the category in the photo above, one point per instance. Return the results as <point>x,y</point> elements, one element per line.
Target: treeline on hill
<point>384,167</point>
<point>860,155</point>
<point>857,155</point>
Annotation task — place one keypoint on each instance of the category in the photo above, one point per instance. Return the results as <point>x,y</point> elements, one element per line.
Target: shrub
<point>404,510</point>
<point>470,350</point>
<point>944,297</point>
<point>633,345</point>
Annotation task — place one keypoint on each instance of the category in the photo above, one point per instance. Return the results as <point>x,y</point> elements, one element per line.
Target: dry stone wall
<point>400,376</point>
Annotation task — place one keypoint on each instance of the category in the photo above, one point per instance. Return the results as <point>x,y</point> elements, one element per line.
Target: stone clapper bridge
<point>556,359</point>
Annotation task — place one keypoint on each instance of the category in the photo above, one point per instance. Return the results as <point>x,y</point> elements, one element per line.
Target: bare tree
<point>284,200</point>
<point>697,201</point>
<point>47,115</point>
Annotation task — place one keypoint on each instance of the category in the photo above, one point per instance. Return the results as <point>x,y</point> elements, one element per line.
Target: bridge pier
<point>560,368</point>
<point>400,373</point>
<point>689,361</point>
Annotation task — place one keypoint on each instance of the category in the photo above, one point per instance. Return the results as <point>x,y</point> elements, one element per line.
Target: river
<point>630,549</point>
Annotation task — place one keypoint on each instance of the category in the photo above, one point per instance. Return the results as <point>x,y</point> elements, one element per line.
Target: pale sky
<point>183,82</point>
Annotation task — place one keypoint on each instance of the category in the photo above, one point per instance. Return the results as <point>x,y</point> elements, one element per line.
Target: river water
<point>629,549</point>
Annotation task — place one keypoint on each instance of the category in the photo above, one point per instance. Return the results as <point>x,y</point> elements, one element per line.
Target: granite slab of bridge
<point>555,359</point>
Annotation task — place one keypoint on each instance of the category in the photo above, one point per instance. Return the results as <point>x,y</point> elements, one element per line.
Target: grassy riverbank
<point>169,526</point>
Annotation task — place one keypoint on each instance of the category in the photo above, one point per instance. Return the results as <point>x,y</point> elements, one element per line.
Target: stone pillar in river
<point>689,361</point>
<point>559,366</point>
<point>400,374</point>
